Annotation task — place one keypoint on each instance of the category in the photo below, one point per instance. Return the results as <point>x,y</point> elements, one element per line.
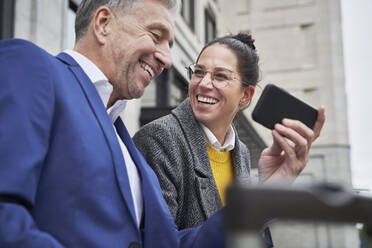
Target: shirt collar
<point>100,81</point>
<point>212,140</point>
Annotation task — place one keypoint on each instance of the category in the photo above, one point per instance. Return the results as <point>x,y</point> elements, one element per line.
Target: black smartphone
<point>275,104</point>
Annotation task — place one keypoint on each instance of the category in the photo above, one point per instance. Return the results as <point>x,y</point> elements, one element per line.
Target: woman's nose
<point>206,80</point>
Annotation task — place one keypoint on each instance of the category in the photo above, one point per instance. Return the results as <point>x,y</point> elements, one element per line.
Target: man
<point>68,176</point>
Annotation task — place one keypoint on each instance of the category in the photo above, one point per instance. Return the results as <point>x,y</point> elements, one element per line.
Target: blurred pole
<point>241,239</point>
<point>250,207</point>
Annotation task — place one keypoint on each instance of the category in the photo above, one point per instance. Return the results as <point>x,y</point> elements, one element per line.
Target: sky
<point>357,41</point>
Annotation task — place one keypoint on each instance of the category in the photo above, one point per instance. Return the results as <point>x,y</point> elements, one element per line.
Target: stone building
<point>300,46</point>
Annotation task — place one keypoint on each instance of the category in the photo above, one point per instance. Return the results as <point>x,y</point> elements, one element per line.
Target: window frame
<point>188,14</point>
<point>209,18</point>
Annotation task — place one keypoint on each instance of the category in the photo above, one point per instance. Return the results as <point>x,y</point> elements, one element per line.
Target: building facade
<point>300,46</point>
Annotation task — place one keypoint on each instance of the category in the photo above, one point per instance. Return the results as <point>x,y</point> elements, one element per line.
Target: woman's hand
<point>289,153</point>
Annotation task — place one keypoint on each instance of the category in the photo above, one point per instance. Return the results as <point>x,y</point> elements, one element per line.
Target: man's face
<point>139,48</point>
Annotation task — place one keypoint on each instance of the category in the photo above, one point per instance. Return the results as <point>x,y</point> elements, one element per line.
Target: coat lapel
<point>206,186</point>
<point>241,170</point>
<point>104,120</point>
<point>195,138</point>
<point>205,183</point>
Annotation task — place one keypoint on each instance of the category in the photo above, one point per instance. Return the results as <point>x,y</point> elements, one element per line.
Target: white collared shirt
<point>215,144</point>
<point>104,89</point>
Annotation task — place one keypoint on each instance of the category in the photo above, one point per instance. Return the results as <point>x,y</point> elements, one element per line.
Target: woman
<point>196,152</point>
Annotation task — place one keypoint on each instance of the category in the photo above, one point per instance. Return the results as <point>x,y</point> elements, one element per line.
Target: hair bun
<point>246,39</point>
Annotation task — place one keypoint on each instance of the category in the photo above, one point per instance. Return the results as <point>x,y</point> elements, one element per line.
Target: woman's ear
<point>247,95</point>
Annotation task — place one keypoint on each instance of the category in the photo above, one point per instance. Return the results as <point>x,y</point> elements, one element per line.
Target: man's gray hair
<point>87,8</point>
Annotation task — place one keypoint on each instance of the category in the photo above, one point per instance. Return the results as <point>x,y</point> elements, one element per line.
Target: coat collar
<point>195,137</point>
<point>100,81</point>
<point>207,188</point>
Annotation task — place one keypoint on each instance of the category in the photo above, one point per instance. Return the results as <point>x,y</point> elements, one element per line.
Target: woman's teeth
<point>206,100</point>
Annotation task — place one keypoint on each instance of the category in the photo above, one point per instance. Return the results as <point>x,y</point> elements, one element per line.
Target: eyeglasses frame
<point>190,72</point>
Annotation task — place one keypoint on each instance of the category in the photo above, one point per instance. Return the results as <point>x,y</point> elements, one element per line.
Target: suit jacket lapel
<point>156,212</point>
<point>125,137</point>
<point>105,122</point>
<point>138,160</point>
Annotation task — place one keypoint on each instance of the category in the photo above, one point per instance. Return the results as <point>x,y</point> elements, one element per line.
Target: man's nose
<point>163,54</point>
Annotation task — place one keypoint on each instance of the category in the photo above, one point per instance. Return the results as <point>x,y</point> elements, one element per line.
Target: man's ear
<point>247,95</point>
<point>101,24</point>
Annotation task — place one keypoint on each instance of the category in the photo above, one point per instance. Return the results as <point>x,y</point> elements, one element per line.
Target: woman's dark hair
<point>243,47</point>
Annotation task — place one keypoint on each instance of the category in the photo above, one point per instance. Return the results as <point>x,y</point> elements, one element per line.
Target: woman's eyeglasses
<point>220,77</point>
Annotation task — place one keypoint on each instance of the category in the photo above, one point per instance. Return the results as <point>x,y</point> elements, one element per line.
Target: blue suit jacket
<point>63,180</point>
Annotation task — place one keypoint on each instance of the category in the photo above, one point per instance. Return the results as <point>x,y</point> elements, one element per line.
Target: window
<point>179,89</point>
<point>70,24</point>
<point>7,19</point>
<point>210,26</point>
<point>187,12</point>
<point>171,88</point>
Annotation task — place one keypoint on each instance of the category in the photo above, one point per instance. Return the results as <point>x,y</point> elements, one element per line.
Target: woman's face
<point>216,107</point>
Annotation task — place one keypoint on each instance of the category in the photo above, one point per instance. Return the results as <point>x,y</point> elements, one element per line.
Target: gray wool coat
<point>175,147</point>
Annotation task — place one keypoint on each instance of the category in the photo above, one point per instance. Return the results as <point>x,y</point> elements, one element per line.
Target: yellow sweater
<point>222,168</point>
